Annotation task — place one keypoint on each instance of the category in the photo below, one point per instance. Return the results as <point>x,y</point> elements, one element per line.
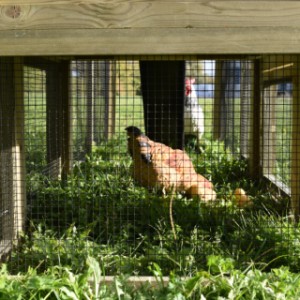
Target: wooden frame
<point>295,159</point>
<point>144,27</point>
<point>12,176</point>
<point>118,27</point>
<point>12,155</point>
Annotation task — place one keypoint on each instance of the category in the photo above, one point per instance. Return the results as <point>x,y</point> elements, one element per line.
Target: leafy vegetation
<point>98,221</point>
<point>221,280</point>
<point>99,211</point>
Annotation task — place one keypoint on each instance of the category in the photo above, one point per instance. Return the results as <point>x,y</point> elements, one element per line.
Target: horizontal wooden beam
<point>134,281</point>
<point>139,27</point>
<point>149,41</point>
<point>148,14</point>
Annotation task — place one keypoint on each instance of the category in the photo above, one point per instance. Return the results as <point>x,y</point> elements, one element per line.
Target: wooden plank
<point>150,41</point>
<point>295,155</point>
<point>90,106</point>
<point>54,119</point>
<point>147,41</point>
<point>148,27</point>
<point>111,109</point>
<point>67,154</point>
<point>78,2</point>
<point>149,14</point>
<point>7,108</point>
<point>138,281</point>
<point>217,100</point>
<point>246,92</point>
<point>19,151</point>
<point>133,281</point>
<point>255,150</point>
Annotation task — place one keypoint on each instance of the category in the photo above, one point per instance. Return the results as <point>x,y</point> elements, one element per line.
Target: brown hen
<point>160,166</point>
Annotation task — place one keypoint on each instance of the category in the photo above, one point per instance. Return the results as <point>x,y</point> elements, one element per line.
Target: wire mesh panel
<point>93,104</point>
<point>277,122</point>
<point>142,160</point>
<point>35,120</point>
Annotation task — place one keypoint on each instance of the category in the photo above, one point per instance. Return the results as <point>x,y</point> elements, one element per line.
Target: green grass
<point>100,214</point>
<point>129,111</point>
<point>221,281</point>
<point>100,211</point>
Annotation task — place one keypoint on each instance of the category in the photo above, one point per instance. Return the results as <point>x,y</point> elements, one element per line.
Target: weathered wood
<point>90,106</point>
<point>217,100</point>
<point>295,151</point>
<point>149,27</point>
<point>19,171</point>
<point>133,281</point>
<point>54,120</point>
<point>255,150</point>
<point>144,41</point>
<point>67,130</point>
<point>7,108</point>
<point>148,14</point>
<point>111,101</point>
<point>246,92</point>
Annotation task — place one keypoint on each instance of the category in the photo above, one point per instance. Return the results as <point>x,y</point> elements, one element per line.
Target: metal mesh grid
<point>88,194</point>
<point>277,119</point>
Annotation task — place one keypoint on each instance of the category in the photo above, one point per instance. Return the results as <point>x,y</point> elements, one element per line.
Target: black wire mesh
<point>86,193</point>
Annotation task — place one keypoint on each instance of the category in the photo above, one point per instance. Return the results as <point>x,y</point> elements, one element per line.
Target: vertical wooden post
<point>67,147</point>
<point>19,172</point>
<point>269,129</point>
<point>108,83</point>
<point>111,109</point>
<point>295,157</point>
<point>246,92</point>
<point>255,126</point>
<point>7,126</point>
<point>217,101</point>
<point>90,109</point>
<point>54,120</point>
<point>99,113</point>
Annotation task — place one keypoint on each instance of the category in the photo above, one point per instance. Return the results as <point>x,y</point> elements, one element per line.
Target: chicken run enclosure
<point>149,136</point>
<point>65,162</point>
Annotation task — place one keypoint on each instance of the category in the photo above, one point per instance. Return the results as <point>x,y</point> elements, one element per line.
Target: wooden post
<point>255,130</point>
<point>90,106</point>
<point>217,101</point>
<point>7,126</point>
<point>111,107</point>
<point>54,120</point>
<point>108,83</point>
<point>19,172</point>
<point>246,93</point>
<point>269,129</point>
<point>295,157</point>
<point>67,147</point>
